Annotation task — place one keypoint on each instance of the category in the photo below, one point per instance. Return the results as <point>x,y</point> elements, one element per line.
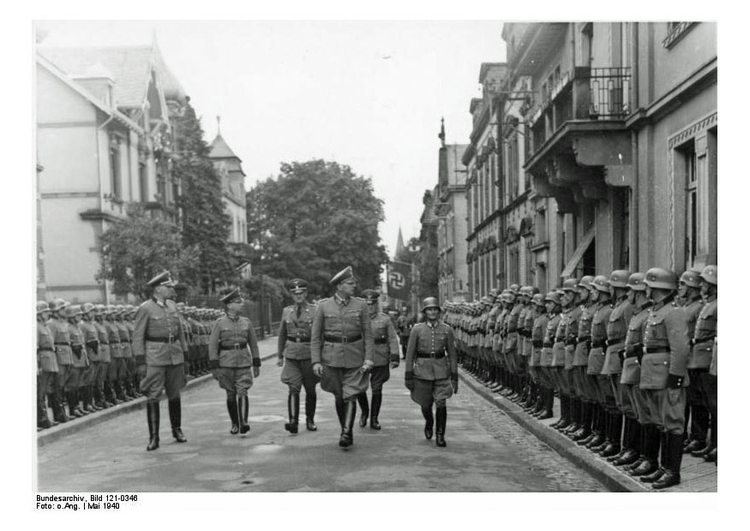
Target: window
<point>676,31</point>
<point>513,156</point>
<point>529,269</point>
<point>114,168</point>
<point>697,164</point>
<point>540,227</point>
<point>513,264</point>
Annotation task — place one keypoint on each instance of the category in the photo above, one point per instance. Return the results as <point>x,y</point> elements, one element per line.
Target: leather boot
<point>78,397</point>
<point>42,418</point>
<point>293,406</point>
<point>630,438</point>
<point>311,401</point>
<point>377,401</point>
<point>548,401</point>
<point>700,425</point>
<point>340,411</point>
<point>651,443</point>
<point>653,477</point>
<point>243,404</point>
<point>575,416</point>
<point>152,416</point>
<point>441,417</point>
<point>712,456</point>
<point>58,412</point>
<point>429,422</point>
<point>640,447</point>
<point>175,419</point>
<point>233,414</point>
<point>365,407</point>
<point>70,398</point>
<point>350,411</point>
<point>625,441</point>
<point>598,430</point>
<point>585,427</point>
<point>615,434</point>
<point>671,475</point>
<point>564,407</point>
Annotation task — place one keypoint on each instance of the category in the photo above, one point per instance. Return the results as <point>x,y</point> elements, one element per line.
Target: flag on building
<point>399,280</point>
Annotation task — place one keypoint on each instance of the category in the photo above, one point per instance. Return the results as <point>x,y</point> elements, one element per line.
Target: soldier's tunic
<point>159,342</point>
<point>538,331</point>
<point>583,385</point>
<point>498,339</point>
<point>511,340</point>
<point>431,357</point>
<point>386,352</point>
<point>232,352</point>
<point>557,367</point>
<point>601,384</point>
<point>117,365</point>
<point>63,353</point>
<point>295,335</point>
<point>702,355</point>
<point>46,361</point>
<point>105,358</point>
<point>79,358</point>
<point>617,328</point>
<point>665,345</point>
<point>125,348</point>
<point>341,339</point>
<point>547,355</point>
<point>635,406</point>
<point>91,340</point>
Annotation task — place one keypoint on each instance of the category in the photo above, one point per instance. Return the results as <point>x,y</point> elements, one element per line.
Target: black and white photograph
<point>278,258</point>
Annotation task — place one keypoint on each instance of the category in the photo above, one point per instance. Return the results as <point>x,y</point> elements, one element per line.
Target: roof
<point>220,149</point>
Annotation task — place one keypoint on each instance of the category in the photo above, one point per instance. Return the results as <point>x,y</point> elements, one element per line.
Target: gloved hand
<point>318,369</point>
<point>454,383</point>
<point>409,380</point>
<point>367,365</point>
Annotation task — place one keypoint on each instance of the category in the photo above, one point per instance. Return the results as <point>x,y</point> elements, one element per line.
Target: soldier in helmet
<point>580,339</point>
<point>560,357</point>
<point>432,369</point>
<point>553,307</point>
<point>91,342</point>
<point>342,349</point>
<point>702,356</point>
<point>47,371</point>
<point>79,361</point>
<point>567,330</point>
<point>386,357</point>
<point>128,364</point>
<point>536,338</point>
<point>294,355</point>
<point>58,326</point>
<point>234,359</point>
<point>159,349</point>
<point>664,371</point>
<point>117,365</point>
<point>103,382</point>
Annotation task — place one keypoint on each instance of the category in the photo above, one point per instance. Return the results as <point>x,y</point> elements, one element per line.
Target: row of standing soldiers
<point>630,356</point>
<point>85,360</point>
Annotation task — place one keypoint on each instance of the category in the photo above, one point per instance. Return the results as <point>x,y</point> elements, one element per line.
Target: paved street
<point>487,451</point>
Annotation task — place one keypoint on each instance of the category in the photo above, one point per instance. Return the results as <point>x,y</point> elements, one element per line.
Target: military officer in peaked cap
<point>342,349</point>
<point>234,359</point>
<point>160,347</point>
<point>294,353</point>
<point>386,357</point>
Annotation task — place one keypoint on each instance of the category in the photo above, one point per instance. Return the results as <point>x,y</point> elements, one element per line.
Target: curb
<point>50,435</point>
<point>596,466</point>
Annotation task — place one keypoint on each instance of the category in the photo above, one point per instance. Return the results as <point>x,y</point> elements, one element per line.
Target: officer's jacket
<point>45,348</point>
<point>598,337</point>
<point>549,340</point>
<point>80,359</point>
<point>430,354</point>
<point>617,328</point>
<point>385,340</point>
<point>91,340</point>
<point>113,333</point>
<point>703,336</point>
<point>583,339</point>
<point>103,337</point>
<point>295,332</point>
<point>631,367</point>
<point>61,336</point>
<point>158,335</point>
<point>538,329</point>
<point>665,344</point>
<point>125,339</point>
<point>233,343</point>
<point>341,333</point>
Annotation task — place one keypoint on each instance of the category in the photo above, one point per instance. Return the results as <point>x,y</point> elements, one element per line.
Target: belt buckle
<point>170,338</point>
<point>343,339</point>
<point>236,346</point>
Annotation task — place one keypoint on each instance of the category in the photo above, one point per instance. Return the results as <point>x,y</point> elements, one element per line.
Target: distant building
<point>103,137</point>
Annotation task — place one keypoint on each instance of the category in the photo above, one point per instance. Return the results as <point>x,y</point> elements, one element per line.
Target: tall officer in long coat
<point>159,348</point>
<point>432,368</point>
<point>342,349</point>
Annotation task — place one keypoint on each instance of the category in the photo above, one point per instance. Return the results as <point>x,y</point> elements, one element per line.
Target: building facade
<point>103,137</point>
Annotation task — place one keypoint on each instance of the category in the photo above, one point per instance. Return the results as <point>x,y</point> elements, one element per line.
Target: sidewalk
<point>267,349</point>
<point>696,474</point>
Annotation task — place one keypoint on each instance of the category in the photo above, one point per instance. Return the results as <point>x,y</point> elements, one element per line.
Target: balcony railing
<point>609,92</point>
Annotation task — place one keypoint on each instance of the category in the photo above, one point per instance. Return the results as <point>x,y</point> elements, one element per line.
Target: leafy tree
<point>313,220</point>
<point>204,223</point>
<point>137,248</point>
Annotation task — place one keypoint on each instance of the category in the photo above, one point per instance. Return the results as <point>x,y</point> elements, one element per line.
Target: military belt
<point>380,341</point>
<point>170,339</point>
<point>631,353</point>
<point>599,343</point>
<point>584,339</point>
<point>340,339</point>
<point>67,344</point>
<point>234,346</point>
<point>300,339</point>
<point>435,355</point>
<point>656,350</point>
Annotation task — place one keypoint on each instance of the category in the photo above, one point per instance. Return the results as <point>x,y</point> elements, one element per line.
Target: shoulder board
<point>324,300</point>
<point>358,299</point>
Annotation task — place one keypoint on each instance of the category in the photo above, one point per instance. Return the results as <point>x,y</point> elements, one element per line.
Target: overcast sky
<point>369,94</point>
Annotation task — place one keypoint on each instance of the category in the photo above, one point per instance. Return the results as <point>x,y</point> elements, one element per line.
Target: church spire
<point>218,125</point>
<point>441,136</point>
<point>400,243</point>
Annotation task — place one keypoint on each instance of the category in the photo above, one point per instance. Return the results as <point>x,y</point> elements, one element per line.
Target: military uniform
<point>63,353</point>
<point>102,382</point>
<point>536,337</point>
<point>117,368</point>
<point>47,372</point>
<point>600,384</point>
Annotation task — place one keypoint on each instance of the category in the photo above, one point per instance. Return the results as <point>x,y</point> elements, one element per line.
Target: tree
<point>136,249</point>
<point>204,223</point>
<point>313,220</point>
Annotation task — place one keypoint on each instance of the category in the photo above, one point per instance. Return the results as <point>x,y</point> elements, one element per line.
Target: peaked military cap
<point>370,295</point>
<point>162,279</point>
<point>231,296</point>
<point>343,275</point>
<point>297,285</point>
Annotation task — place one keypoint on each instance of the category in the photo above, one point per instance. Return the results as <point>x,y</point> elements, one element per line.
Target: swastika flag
<point>399,280</point>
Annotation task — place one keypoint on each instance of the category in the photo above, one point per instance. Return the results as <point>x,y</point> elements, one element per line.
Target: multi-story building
<point>103,137</point>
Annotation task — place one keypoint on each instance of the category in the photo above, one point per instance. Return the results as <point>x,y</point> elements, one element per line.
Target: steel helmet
<point>586,281</point>
<point>111,309</point>
<point>600,283</point>
<point>514,288</point>
<point>637,281</point>
<point>619,278</point>
<point>527,291</point>
<point>570,284</point>
<point>41,306</point>
<point>691,278</point>
<point>430,302</point>
<point>660,278</point>
<point>100,309</point>
<point>553,296</point>
<point>538,299</point>
<point>87,307</point>
<point>72,311</point>
<point>709,274</point>
<point>58,304</point>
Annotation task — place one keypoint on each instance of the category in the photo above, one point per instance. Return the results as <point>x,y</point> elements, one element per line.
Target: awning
<point>588,237</point>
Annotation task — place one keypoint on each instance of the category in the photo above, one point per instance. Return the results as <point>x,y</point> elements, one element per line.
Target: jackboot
<point>377,401</point>
<point>175,419</point>
<point>87,405</point>
<point>659,472</point>
<point>625,441</point>
<point>441,417</point>
<point>615,434</point>
<point>563,420</point>
<point>699,432</point>
<point>58,411</point>
<point>629,453</point>
<point>350,411</point>
<point>78,397</point>
<point>651,443</point>
<point>585,428</point>
<point>598,430</point>
<point>340,410</point>
<point>365,407</point>
<point>293,406</point>
<point>671,475</point>
<point>548,401</point>
<point>233,414</point>
<point>243,404</point>
<point>70,398</point>
<point>640,448</point>
<point>429,422</point>
<point>152,417</point>
<point>311,401</point>
<point>42,417</point>
<point>575,416</point>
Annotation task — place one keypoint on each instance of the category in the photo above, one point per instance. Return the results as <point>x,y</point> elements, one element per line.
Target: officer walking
<point>232,351</point>
<point>159,348</point>
<point>342,349</point>
<point>386,357</point>
<point>294,355</point>
<point>432,369</point>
